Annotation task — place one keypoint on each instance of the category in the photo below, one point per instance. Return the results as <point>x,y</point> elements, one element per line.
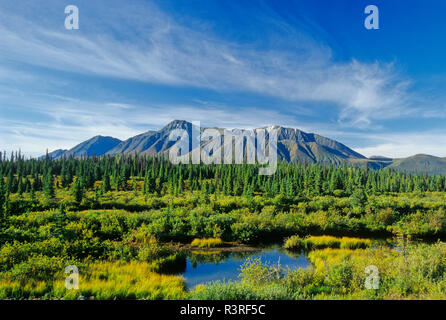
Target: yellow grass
<point>318,242</point>
<point>103,280</point>
<point>205,252</point>
<point>134,280</point>
<point>207,243</point>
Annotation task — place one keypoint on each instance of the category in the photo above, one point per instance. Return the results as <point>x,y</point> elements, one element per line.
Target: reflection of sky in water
<point>229,269</point>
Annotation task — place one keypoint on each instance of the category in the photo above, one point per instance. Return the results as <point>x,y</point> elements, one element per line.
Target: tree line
<point>159,176</point>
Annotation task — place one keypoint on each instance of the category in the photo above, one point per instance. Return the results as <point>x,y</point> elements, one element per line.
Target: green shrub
<point>294,243</point>
<point>221,290</point>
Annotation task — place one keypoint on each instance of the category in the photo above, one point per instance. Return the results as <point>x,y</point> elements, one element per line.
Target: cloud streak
<point>67,121</point>
<point>160,50</point>
<point>399,145</point>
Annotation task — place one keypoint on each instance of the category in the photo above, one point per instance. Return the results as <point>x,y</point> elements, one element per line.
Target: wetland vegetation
<point>133,225</point>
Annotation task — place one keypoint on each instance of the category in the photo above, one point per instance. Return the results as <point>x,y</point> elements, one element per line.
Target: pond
<point>205,266</point>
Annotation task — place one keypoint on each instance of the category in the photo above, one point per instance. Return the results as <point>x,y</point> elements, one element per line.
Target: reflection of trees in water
<point>176,265</point>
<point>293,253</point>
<point>242,255</point>
<point>216,257</point>
<point>202,256</point>
<point>205,256</point>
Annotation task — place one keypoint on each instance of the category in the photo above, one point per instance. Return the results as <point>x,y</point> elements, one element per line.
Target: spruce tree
<point>60,222</point>
<point>105,185</point>
<point>48,186</point>
<point>77,191</point>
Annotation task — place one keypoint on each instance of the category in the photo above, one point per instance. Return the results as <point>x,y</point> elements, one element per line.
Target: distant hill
<point>293,145</point>
<point>380,158</point>
<point>55,154</point>
<point>151,142</point>
<point>97,145</point>
<point>420,163</point>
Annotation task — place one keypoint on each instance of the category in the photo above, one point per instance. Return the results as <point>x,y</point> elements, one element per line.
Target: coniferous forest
<point>128,223</point>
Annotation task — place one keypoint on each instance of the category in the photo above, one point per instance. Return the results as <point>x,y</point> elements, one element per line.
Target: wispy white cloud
<point>69,121</point>
<point>160,50</point>
<point>401,145</point>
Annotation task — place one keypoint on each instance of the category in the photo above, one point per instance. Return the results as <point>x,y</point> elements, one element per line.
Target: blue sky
<point>136,65</point>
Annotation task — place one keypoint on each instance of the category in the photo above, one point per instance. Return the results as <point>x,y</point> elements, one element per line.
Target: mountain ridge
<point>420,163</point>
<point>293,145</point>
<point>95,146</point>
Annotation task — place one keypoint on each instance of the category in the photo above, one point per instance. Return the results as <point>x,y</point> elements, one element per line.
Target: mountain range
<point>293,145</point>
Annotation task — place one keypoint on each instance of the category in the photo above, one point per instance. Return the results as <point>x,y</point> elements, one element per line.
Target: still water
<point>203,266</point>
